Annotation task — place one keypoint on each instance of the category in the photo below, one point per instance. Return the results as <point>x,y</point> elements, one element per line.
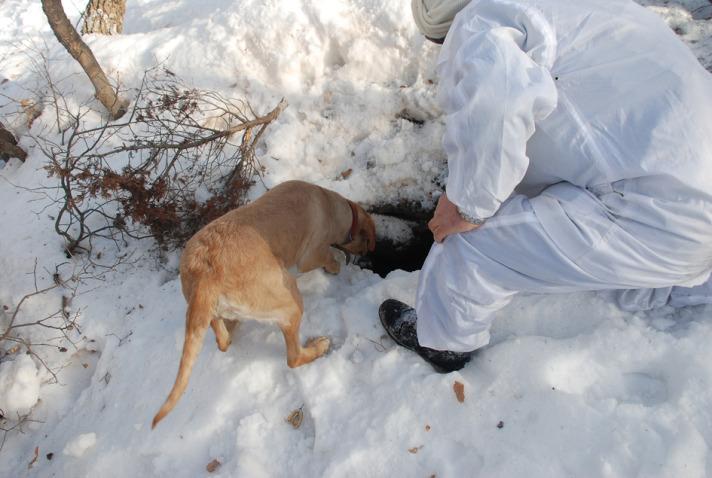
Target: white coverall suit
<point>602,120</point>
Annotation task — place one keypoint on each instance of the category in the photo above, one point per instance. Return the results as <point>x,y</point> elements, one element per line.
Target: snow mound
<point>19,386</point>
<point>570,385</point>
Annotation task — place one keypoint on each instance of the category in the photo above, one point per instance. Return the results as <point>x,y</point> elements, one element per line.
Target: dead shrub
<point>183,158</point>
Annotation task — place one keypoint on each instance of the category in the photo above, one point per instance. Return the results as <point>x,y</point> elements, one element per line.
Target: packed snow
<point>570,385</point>
<point>80,444</point>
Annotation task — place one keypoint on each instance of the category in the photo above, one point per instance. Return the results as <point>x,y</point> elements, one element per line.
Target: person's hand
<point>447,220</point>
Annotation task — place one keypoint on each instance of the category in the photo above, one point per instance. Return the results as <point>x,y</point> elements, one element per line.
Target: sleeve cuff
<point>471,219</point>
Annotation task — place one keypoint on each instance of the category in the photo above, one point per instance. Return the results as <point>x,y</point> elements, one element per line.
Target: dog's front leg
<point>296,354</point>
<point>291,309</point>
<point>331,265</point>
<point>322,257</point>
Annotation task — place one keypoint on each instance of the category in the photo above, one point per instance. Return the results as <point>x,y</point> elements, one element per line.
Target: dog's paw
<point>319,344</point>
<point>333,268</point>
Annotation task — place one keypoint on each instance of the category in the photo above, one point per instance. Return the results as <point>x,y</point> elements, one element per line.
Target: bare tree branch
<point>70,39</point>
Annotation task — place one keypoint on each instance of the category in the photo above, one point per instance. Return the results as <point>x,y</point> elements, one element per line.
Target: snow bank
<point>690,19</point>
<point>570,385</point>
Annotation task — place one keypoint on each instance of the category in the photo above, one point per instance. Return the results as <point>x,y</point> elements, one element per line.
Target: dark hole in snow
<point>392,252</point>
<point>390,256</point>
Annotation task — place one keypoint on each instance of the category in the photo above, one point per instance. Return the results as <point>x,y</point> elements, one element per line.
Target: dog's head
<point>364,239</point>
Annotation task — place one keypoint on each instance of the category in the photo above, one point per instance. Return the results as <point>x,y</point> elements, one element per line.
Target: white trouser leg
<point>447,299</point>
<point>698,295</point>
<point>635,300</point>
<point>564,240</point>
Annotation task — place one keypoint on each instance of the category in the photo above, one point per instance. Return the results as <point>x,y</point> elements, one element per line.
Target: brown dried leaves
<point>459,389</point>
<point>213,465</point>
<point>295,418</point>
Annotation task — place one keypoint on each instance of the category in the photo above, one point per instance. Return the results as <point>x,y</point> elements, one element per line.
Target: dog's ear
<point>369,229</point>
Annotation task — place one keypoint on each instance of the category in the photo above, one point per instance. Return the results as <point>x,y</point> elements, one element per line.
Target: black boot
<point>399,321</point>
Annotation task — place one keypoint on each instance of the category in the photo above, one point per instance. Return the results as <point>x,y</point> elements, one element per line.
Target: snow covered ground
<point>571,385</point>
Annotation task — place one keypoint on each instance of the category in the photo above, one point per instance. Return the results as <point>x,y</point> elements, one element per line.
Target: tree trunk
<point>70,39</point>
<point>105,17</point>
<point>8,145</point>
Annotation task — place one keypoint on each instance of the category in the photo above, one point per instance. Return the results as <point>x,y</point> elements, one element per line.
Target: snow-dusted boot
<point>399,321</point>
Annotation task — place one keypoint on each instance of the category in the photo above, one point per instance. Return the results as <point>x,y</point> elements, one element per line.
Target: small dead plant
<point>40,335</point>
<point>182,158</point>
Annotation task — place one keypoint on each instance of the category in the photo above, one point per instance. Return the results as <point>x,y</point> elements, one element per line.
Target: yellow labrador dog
<point>235,268</point>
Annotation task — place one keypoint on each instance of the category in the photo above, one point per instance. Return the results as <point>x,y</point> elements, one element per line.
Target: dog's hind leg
<point>314,347</point>
<point>223,332</point>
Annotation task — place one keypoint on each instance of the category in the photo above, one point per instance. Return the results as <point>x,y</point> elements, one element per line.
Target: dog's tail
<point>198,316</point>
